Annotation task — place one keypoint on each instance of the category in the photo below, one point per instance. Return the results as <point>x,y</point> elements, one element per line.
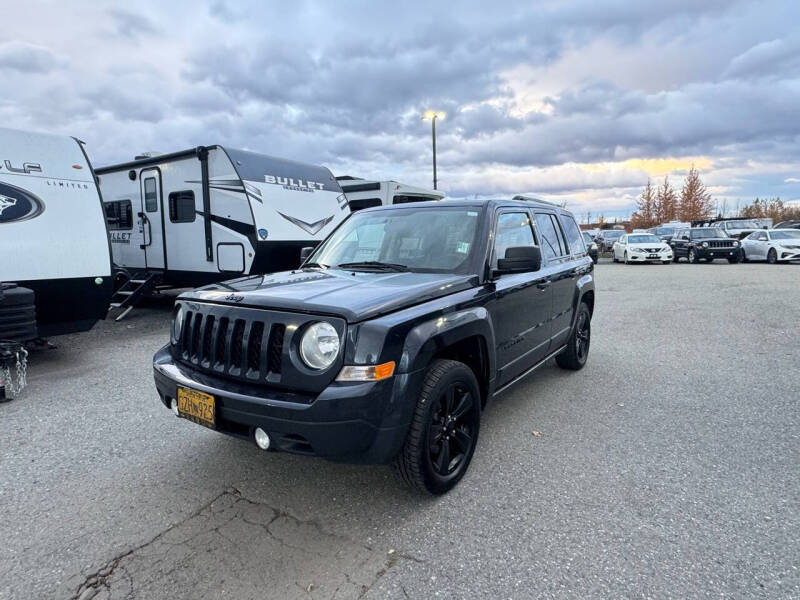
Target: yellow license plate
<point>196,406</point>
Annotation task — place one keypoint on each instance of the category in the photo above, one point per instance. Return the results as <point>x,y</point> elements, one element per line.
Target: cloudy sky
<point>577,101</point>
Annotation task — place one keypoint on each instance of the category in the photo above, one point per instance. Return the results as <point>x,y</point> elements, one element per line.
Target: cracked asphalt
<point>668,467</point>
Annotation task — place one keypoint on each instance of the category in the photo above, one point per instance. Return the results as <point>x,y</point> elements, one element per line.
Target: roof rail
<point>532,199</point>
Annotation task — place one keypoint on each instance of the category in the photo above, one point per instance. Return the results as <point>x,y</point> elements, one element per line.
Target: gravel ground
<point>668,467</point>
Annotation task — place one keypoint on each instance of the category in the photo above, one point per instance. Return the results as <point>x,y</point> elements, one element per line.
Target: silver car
<point>772,245</point>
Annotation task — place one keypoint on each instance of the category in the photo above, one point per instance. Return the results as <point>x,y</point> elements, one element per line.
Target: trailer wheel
<point>121,277</point>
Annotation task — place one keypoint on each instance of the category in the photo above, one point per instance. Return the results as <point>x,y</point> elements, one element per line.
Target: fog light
<point>262,439</point>
<point>173,404</point>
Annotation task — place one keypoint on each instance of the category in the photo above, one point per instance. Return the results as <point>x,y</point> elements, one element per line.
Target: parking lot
<point>668,467</point>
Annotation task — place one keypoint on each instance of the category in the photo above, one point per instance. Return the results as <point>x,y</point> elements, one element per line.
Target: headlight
<point>637,249</point>
<point>594,247</point>
<point>319,345</point>
<point>177,325</point>
<point>705,244</point>
<point>666,249</point>
<point>735,244</point>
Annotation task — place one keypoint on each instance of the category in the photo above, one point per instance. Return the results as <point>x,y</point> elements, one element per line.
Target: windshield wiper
<point>373,264</point>
<point>315,264</point>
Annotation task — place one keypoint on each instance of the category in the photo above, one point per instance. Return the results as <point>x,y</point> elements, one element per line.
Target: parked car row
<point>706,244</point>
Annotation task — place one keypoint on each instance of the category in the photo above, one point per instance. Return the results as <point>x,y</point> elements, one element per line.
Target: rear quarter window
<point>573,233</point>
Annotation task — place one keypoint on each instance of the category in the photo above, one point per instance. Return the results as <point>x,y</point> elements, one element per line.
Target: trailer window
<point>150,196</point>
<point>407,199</point>
<point>119,215</point>
<point>181,207</point>
<point>363,203</point>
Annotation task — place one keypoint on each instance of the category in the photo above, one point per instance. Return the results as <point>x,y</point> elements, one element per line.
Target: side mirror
<point>305,253</point>
<point>520,259</point>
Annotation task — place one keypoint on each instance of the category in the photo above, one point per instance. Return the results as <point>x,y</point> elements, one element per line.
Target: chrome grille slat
<point>221,344</point>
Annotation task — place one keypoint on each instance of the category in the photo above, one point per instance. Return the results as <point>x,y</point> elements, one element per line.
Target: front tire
<point>444,430</point>
<point>625,256</point>
<point>744,256</point>
<point>772,256</point>
<point>692,256</point>
<point>577,351</point>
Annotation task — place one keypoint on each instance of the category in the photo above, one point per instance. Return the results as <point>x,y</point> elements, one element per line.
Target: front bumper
<point>713,253</point>
<point>650,257</point>
<point>363,422</point>
<point>787,254</point>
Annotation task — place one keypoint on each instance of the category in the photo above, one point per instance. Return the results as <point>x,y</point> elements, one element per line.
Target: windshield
<point>786,235</point>
<point>643,239</point>
<point>741,225</point>
<point>424,239</point>
<point>664,231</point>
<point>588,238</point>
<point>613,233</point>
<point>706,232</point>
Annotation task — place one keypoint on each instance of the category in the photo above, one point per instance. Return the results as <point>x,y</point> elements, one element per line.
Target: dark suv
<point>385,346</point>
<point>704,243</point>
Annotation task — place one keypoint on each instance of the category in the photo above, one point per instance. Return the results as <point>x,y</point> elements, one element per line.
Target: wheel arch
<point>465,336</point>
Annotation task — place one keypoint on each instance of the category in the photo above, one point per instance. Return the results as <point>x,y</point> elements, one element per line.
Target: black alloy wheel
<point>452,430</point>
<point>577,350</point>
<point>444,430</point>
<point>772,256</point>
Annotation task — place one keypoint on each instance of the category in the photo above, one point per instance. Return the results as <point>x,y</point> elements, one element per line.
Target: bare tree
<point>666,202</point>
<point>645,214</point>
<point>696,201</point>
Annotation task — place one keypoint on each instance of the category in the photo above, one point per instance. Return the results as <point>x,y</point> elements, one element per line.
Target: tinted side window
<point>513,229</point>
<point>181,207</point>
<point>150,196</point>
<point>552,242</point>
<point>573,233</point>
<point>119,215</point>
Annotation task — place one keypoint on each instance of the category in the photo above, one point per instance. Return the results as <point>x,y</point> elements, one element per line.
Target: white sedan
<point>641,247</point>
<point>772,245</point>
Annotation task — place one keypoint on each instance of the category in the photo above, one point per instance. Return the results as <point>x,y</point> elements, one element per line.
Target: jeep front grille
<point>721,244</point>
<point>251,349</point>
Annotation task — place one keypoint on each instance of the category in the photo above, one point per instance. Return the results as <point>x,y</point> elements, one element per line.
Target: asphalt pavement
<point>668,467</point>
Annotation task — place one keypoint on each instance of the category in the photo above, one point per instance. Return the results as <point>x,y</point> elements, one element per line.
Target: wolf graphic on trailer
<point>212,213</point>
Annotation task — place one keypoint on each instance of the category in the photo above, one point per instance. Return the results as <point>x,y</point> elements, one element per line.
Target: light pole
<point>432,115</point>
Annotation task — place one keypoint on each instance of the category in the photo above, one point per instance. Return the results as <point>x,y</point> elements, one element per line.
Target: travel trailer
<point>53,237</point>
<point>211,213</point>
<point>362,193</point>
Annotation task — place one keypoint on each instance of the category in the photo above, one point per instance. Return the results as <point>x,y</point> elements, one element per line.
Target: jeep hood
<point>352,295</point>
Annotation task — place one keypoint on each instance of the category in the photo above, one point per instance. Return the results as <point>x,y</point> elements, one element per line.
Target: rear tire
<point>574,356</point>
<point>444,430</point>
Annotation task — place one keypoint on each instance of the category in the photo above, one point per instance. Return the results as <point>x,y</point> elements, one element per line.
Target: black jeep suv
<point>385,346</point>
<point>704,243</point>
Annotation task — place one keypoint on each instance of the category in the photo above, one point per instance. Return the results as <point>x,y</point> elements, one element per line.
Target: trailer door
<point>152,218</point>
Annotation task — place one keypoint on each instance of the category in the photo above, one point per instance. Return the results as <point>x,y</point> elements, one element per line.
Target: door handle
<point>543,285</point>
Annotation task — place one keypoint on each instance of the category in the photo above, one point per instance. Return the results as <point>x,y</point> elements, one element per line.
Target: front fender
<point>428,338</point>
